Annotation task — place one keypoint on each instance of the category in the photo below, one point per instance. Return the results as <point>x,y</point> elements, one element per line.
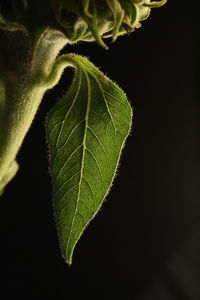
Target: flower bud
<point>97,19</point>
<point>78,20</point>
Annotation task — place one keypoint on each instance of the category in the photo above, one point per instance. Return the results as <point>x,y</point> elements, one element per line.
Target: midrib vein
<point>83,156</point>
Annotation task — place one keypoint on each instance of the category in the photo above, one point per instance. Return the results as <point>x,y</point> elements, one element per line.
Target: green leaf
<point>86,130</point>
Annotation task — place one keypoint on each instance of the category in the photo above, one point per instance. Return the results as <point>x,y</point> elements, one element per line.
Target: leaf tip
<point>68,261</point>
<point>68,255</point>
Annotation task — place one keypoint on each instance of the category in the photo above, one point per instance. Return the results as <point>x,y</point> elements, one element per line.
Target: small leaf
<point>155,3</point>
<point>118,14</point>
<point>86,130</point>
<point>131,13</point>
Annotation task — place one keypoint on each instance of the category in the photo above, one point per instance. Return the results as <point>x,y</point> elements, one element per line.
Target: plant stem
<point>20,96</point>
<point>18,113</point>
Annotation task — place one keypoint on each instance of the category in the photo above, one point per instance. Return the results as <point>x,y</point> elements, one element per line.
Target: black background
<point>151,217</point>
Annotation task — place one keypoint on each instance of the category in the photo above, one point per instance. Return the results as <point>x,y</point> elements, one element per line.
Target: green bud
<point>78,20</point>
<point>98,19</point>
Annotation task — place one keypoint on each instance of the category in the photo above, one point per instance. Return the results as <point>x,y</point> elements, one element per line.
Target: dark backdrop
<point>144,243</point>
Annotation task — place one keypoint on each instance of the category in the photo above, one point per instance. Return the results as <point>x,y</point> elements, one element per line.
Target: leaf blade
<point>86,130</point>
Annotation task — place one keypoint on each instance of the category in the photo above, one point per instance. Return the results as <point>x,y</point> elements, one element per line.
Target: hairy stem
<point>20,95</point>
<point>16,118</point>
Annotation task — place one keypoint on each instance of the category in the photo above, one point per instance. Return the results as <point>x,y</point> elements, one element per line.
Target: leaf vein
<point>94,158</point>
<point>72,105</point>
<point>59,148</point>
<point>87,182</point>
<point>64,196</point>
<point>117,108</point>
<point>83,156</point>
<point>118,99</point>
<point>102,91</point>
<point>67,181</point>
<point>97,138</point>
<point>52,129</point>
<point>74,151</point>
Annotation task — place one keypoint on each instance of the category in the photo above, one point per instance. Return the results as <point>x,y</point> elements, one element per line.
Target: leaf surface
<point>86,130</point>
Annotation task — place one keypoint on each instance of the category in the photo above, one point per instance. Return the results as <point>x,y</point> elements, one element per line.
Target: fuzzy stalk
<point>20,96</point>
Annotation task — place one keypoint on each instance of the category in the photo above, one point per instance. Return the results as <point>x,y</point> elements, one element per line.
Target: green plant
<point>87,127</point>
